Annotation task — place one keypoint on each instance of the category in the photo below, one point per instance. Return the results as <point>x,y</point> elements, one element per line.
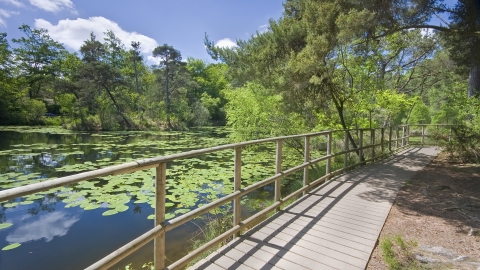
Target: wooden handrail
<point>160,164</point>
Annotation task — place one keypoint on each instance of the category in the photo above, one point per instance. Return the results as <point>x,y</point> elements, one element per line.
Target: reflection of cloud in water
<point>47,226</point>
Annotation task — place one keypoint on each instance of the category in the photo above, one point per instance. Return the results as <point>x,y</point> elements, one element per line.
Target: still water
<point>74,226</point>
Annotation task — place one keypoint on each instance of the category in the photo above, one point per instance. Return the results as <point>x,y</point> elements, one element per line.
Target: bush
<point>464,145</point>
<point>52,121</point>
<point>35,111</point>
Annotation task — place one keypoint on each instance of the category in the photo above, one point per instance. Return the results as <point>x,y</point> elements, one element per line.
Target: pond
<point>72,227</point>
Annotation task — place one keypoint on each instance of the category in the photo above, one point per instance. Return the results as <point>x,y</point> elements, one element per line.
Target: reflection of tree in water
<point>3,217</point>
<point>48,204</point>
<point>137,209</point>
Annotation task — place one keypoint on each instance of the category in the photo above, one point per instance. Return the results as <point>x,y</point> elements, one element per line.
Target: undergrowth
<point>463,145</point>
<point>398,253</point>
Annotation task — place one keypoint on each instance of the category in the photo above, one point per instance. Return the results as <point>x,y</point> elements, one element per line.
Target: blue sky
<point>180,23</point>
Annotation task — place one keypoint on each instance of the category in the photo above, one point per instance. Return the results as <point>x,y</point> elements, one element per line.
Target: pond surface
<point>72,227</point>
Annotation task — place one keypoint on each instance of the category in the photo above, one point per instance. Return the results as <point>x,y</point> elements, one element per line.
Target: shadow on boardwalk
<point>335,226</point>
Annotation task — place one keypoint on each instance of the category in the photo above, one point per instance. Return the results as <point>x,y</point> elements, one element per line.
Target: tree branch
<point>427,26</point>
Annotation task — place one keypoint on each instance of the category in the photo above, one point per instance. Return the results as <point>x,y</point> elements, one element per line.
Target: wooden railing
<point>396,139</point>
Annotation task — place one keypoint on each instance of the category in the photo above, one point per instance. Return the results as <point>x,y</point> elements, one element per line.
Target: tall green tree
<point>464,49</point>
<point>170,59</point>
<point>95,81</point>
<point>38,58</point>
<point>136,57</point>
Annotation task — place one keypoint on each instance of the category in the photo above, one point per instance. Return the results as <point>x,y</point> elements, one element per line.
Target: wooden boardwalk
<point>335,226</point>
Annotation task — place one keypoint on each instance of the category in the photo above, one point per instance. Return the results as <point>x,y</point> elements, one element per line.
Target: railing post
<point>372,139</point>
<point>237,183</point>
<point>159,242</point>
<point>360,145</point>
<point>403,136</point>
<point>390,130</point>
<point>278,169</point>
<point>329,151</point>
<point>382,140</point>
<point>306,159</point>
<point>408,134</point>
<point>345,148</point>
<point>397,133</point>
<point>450,135</point>
<point>423,135</point>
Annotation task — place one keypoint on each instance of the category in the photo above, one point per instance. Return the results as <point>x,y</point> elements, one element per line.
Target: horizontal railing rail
<point>396,139</point>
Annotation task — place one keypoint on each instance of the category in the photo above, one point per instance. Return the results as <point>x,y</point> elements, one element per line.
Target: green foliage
<point>38,57</point>
<point>420,114</point>
<point>254,112</point>
<point>464,144</point>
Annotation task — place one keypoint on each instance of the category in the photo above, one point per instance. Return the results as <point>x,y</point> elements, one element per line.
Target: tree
<point>169,59</point>
<point>320,57</point>
<point>464,49</point>
<point>136,57</point>
<point>94,78</point>
<point>38,58</point>
<point>212,80</point>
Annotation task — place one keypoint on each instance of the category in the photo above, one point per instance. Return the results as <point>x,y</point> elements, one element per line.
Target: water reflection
<point>46,227</point>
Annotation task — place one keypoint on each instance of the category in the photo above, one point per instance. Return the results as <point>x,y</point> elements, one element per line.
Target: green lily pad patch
<point>5,225</point>
<point>11,246</point>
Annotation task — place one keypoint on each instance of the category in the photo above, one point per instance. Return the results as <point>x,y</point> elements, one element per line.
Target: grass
<point>398,253</point>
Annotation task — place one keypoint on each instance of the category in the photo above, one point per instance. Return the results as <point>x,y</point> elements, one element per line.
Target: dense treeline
<point>106,86</point>
<point>322,65</point>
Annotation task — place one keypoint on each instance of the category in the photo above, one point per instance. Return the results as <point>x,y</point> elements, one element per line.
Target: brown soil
<point>439,207</point>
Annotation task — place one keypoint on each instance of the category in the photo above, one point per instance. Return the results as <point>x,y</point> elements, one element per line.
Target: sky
<point>179,23</point>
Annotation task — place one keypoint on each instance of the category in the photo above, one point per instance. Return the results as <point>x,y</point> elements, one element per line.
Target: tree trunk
<point>339,108</point>
<point>167,100</point>
<point>474,82</point>
<point>118,108</point>
<point>136,83</point>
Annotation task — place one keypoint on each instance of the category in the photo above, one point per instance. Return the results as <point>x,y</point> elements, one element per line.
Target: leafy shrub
<point>35,110</point>
<point>52,121</point>
<point>464,144</point>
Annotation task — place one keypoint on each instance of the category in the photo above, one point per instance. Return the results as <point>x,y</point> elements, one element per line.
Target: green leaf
<point>152,216</point>
<point>11,246</point>
<point>5,225</point>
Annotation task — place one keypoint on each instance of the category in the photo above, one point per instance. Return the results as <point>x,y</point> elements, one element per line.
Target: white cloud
<point>46,226</point>
<point>53,5</point>
<point>13,2</point>
<point>4,14</point>
<point>263,28</point>
<point>226,43</point>
<point>72,33</point>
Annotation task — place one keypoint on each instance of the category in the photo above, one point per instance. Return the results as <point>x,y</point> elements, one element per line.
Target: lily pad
<point>91,206</point>
<point>5,225</point>
<point>10,204</point>
<point>26,202</point>
<point>11,246</point>
<point>121,208</point>
<point>110,212</point>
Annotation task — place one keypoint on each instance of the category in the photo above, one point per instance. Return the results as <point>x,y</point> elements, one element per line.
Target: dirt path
<point>436,216</point>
